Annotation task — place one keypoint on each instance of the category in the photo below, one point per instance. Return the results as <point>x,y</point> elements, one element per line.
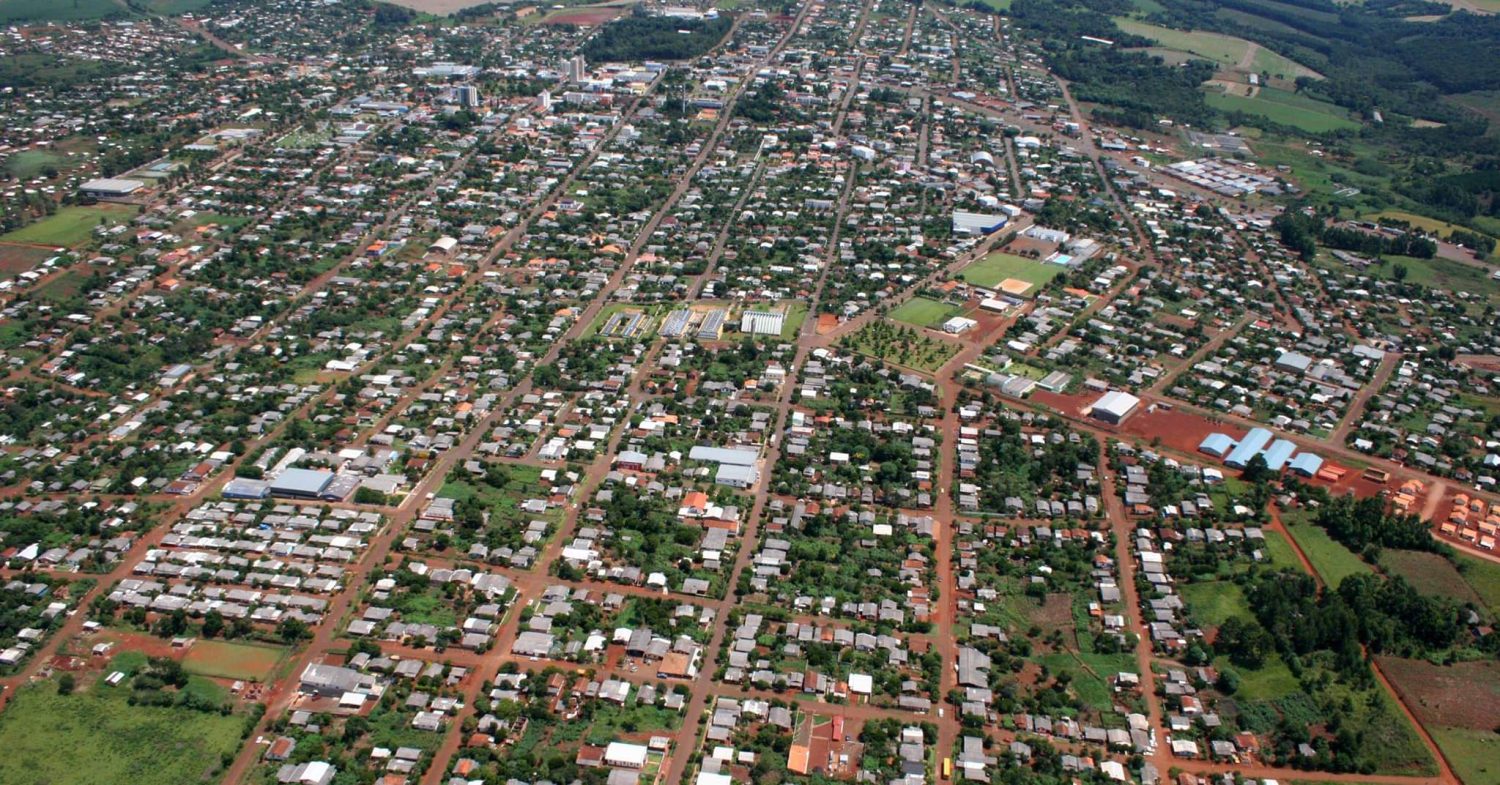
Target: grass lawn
<point>1439,273</point>
<point>229,660</point>
<point>991,270</point>
<point>69,226</point>
<point>1092,688</point>
<point>1280,106</point>
<point>1222,49</point>
<point>58,11</point>
<point>1279,552</point>
<point>29,163</point>
<point>1268,682</point>
<point>796,314</point>
<point>1473,754</point>
<point>923,312</point>
<point>1214,602</point>
<point>1333,561</point>
<point>94,736</point>
<point>1484,577</point>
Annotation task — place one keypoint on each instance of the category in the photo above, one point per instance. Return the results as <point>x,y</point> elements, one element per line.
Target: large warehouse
<point>1114,406</point>
<point>110,188</point>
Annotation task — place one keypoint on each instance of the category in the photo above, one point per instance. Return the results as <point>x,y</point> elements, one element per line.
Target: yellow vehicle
<point>947,768</point>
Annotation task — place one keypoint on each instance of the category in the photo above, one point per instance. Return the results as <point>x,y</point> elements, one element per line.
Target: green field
<point>1267,683</point>
<point>1214,602</point>
<point>29,163</point>
<point>1473,754</point>
<point>59,10</point>
<point>1484,577</point>
<point>1285,108</point>
<point>1439,273</point>
<point>94,736</point>
<point>991,270</point>
<point>1333,561</point>
<point>796,314</point>
<point>226,660</point>
<point>69,226</point>
<point>1223,49</point>
<point>1279,552</point>
<point>923,312</point>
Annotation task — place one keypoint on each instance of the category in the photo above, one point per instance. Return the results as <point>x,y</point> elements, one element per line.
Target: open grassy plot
<point>796,314</point>
<point>991,270</point>
<point>1484,577</point>
<point>1439,273</point>
<point>1473,754</point>
<point>1224,49</point>
<point>227,660</point>
<point>1270,681</point>
<point>1333,561</point>
<point>923,312</point>
<point>1215,602</point>
<point>96,736</point>
<point>69,226</point>
<point>1433,225</point>
<point>1285,108</point>
<point>1279,552</point>
<point>30,163</point>
<point>1091,674</point>
<point>59,10</point>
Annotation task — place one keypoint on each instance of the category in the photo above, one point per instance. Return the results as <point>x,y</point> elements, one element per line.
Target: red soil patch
<point>589,17</point>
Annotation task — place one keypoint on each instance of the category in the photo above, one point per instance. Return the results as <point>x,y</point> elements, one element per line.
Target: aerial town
<point>1028,392</point>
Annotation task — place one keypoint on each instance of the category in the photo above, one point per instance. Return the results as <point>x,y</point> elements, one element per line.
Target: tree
<point>213,624</point>
<point>292,630</point>
<point>66,684</point>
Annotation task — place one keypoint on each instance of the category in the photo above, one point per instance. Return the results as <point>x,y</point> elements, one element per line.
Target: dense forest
<point>641,37</point>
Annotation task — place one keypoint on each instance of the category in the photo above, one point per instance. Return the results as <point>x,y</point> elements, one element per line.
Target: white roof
<point>861,683</point>
<point>622,752</point>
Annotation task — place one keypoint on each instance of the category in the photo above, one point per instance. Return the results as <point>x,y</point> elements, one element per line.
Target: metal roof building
<point>1249,447</point>
<point>1114,406</point>
<point>1279,453</point>
<point>736,456</point>
<point>1216,444</point>
<point>301,483</point>
<point>1306,464</point>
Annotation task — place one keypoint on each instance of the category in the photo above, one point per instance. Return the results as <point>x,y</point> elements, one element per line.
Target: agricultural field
<point>1429,573</point>
<point>228,660</point>
<point>1226,50</point>
<point>16,259</point>
<point>175,745</point>
<point>1215,602</point>
<point>991,270</point>
<point>1459,704</point>
<point>922,312</point>
<point>69,226</point>
<point>1285,108</point>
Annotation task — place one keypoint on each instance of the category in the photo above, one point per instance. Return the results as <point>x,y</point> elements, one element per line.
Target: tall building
<point>467,96</point>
